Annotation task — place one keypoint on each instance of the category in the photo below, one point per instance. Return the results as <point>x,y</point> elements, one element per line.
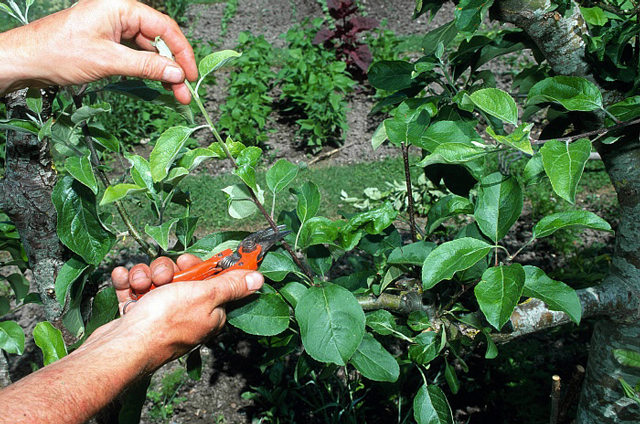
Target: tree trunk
<point>561,40</point>
<point>26,199</point>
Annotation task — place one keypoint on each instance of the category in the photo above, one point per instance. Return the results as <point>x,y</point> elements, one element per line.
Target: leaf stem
<point>95,162</point>
<point>254,197</point>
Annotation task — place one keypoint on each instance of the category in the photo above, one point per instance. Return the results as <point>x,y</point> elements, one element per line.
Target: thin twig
<point>555,399</point>
<point>571,392</point>
<point>95,162</point>
<point>599,132</point>
<point>407,177</point>
<point>253,195</point>
<point>327,154</point>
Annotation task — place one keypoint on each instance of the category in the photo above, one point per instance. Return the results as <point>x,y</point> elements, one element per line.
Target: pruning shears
<point>248,255</point>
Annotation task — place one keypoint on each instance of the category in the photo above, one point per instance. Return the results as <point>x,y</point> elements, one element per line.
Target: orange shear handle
<point>209,268</point>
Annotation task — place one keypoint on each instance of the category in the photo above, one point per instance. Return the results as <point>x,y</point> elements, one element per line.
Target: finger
<point>150,23</point>
<point>187,260</point>
<point>162,270</point>
<point>140,277</point>
<point>120,278</point>
<point>182,93</point>
<point>146,65</point>
<point>234,285</point>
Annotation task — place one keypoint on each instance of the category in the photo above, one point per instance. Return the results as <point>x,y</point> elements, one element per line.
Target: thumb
<point>235,285</point>
<point>147,65</point>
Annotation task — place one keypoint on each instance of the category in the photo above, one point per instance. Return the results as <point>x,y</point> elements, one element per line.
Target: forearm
<point>76,387</point>
<point>16,70</point>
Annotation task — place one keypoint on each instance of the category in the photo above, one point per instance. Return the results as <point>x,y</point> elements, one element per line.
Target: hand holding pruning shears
<point>132,285</point>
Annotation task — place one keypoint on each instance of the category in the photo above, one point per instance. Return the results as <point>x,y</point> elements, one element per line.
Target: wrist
<point>17,67</point>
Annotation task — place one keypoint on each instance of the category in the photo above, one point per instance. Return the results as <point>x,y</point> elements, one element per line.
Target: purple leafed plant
<point>345,37</point>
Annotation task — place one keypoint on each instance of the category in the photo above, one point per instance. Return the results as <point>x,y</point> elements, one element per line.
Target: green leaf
<point>450,257</point>
<point>564,164</point>
<point>572,219</point>
<point>430,406</point>
<point>627,357</point>
<point>411,254</point>
<point>497,103</point>
<point>492,349</point>
<point>280,175</point>
<point>426,348</point>
<point>234,147</point>
<point>594,16</point>
<point>277,265</point>
<point>499,205</point>
<point>19,284</point>
<point>318,230</point>
<point>161,233</point>
<point>451,377</point>
<point>627,109</point>
<point>215,61</point>
<point>239,201</point>
<point>246,161</point>
<point>391,75</point>
<point>499,291</point>
<point>457,154</point>
<point>374,362</point>
<point>103,310</point>
<point>79,227</point>
<point>448,132</point>
<point>373,221</point>
<point>518,139</point>
<point>166,150</point>
<point>11,337</point>
<point>382,322</point>
<point>68,274</point>
<point>85,113</point>
<point>331,323</point>
<point>80,168</point>
<point>267,315</point>
<point>195,157</point>
<point>557,295</point>
<point>19,125</point>
<point>469,14</point>
<point>105,139</point>
<point>34,100</point>
<point>444,34</point>
<point>533,171</point>
<point>308,200</point>
<point>293,292</point>
<point>5,305</point>
<point>445,208</point>
<point>574,93</point>
<point>49,340</point>
<point>185,229</point>
<point>140,171</point>
<point>120,191</point>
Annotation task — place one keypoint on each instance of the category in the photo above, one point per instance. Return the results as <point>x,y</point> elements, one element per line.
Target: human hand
<point>174,318</point>
<point>82,44</point>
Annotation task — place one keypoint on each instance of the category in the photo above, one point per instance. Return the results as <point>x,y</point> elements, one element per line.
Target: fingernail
<point>138,275</point>
<point>172,74</point>
<point>254,281</point>
<point>159,270</point>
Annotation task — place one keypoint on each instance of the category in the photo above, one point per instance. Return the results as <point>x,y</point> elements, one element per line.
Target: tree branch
<point>28,183</point>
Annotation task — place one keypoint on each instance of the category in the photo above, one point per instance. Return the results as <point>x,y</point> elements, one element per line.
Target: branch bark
<point>27,186</point>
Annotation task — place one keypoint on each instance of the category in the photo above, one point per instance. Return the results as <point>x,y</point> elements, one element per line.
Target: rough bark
<point>561,40</point>
<point>27,186</point>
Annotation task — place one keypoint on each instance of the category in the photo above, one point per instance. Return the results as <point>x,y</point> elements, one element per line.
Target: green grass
<point>209,202</point>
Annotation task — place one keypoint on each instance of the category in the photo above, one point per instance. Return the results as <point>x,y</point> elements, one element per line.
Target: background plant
<point>345,36</point>
<point>315,84</point>
<point>246,110</point>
